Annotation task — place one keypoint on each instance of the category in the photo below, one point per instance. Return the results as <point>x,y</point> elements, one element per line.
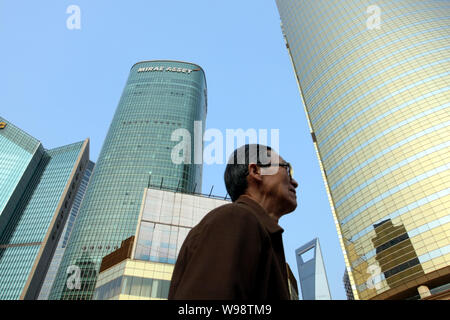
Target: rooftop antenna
<point>162,180</point>
<point>211,191</point>
<point>195,187</point>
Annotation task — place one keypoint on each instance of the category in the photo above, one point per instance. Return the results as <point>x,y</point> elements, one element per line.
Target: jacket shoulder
<point>229,212</point>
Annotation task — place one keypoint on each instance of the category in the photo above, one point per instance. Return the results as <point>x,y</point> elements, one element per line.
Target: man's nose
<point>294,183</point>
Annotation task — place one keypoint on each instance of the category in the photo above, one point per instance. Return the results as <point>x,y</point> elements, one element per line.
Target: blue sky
<point>62,86</point>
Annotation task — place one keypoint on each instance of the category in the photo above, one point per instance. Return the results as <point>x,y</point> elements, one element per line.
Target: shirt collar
<point>269,223</point>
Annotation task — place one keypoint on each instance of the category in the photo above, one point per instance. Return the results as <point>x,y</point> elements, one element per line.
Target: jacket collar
<point>269,223</point>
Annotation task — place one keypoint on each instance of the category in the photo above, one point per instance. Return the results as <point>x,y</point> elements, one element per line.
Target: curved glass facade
<point>159,98</point>
<point>377,102</point>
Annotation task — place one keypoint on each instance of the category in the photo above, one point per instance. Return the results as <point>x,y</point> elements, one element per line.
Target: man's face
<point>278,184</point>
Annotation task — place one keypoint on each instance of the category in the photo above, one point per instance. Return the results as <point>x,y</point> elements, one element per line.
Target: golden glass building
<point>374,78</point>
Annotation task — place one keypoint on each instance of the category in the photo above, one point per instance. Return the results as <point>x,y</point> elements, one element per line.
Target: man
<point>236,251</point>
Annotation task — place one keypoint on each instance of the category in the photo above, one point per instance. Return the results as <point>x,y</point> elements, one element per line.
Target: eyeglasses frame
<point>286,165</point>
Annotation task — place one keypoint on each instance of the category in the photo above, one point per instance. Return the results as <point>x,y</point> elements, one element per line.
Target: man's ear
<point>254,172</point>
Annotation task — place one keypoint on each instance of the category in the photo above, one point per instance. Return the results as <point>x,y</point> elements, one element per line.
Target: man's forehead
<point>275,157</point>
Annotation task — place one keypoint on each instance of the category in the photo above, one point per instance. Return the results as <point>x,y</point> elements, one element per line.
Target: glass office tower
<point>37,191</point>
<point>347,286</point>
<point>19,159</point>
<point>375,85</point>
<point>63,240</point>
<point>311,271</point>
<point>159,98</point>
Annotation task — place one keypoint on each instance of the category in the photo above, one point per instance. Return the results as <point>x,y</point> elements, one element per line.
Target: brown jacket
<point>235,252</point>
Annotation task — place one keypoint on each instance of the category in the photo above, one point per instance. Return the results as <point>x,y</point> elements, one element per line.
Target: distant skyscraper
<point>374,78</point>
<point>61,247</point>
<point>292,283</point>
<point>159,98</point>
<point>311,272</point>
<point>348,286</point>
<point>37,188</point>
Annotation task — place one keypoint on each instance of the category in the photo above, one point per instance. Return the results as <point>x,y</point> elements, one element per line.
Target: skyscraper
<point>159,98</point>
<point>347,286</point>
<point>37,188</point>
<point>374,80</point>
<point>311,272</point>
<point>63,240</point>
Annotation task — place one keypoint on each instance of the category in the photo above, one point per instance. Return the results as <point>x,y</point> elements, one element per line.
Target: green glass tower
<point>57,256</point>
<point>37,189</point>
<point>374,78</point>
<point>159,97</point>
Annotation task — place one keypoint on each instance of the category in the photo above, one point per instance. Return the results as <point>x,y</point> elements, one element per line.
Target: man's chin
<point>292,205</point>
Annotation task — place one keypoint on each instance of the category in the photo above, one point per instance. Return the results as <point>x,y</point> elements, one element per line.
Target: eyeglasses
<point>286,165</point>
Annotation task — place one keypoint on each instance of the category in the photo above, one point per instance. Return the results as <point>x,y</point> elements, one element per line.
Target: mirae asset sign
<point>169,69</point>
